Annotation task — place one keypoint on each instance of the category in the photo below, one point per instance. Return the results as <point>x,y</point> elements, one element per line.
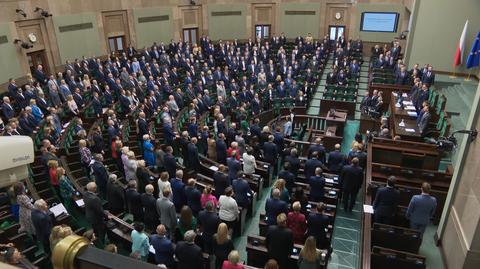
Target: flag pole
<point>453,76</point>
<point>468,77</point>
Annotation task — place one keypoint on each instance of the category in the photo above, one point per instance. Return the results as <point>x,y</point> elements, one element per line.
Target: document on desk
<point>214,168</point>
<point>80,202</point>
<point>412,113</point>
<point>410,108</point>
<point>57,210</point>
<point>368,209</point>
<point>408,103</point>
<point>329,180</point>
<point>409,130</point>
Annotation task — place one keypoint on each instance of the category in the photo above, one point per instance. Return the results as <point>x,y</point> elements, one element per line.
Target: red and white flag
<point>460,47</point>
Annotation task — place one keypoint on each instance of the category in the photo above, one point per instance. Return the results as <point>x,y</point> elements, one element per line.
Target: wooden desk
<point>336,122</point>
<point>397,115</point>
<point>368,123</point>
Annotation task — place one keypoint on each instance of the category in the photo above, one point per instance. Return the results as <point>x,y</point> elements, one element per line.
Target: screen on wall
<point>379,22</point>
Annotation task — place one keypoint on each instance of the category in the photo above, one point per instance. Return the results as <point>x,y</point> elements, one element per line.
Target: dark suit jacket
<point>270,152</point>
<point>221,149</point>
<point>178,192</point>
<point>149,207</point>
<point>242,191</point>
<point>193,199</point>
<point>8,111</point>
<point>193,159</point>
<point>93,209</point>
<point>42,223</point>
<point>142,128</point>
<point>233,167</point>
<point>273,207</point>
<point>316,224</point>
<point>310,166</point>
<point>101,175</point>
<point>221,182</point>
<point>294,164</point>
<point>289,178</point>
<point>317,184</point>
<point>134,202</point>
<point>318,148</point>
<point>189,256</point>
<point>115,198</point>
<point>209,222</point>
<point>279,241</point>
<point>170,164</point>
<point>386,201</point>
<point>351,178</point>
<point>336,160</point>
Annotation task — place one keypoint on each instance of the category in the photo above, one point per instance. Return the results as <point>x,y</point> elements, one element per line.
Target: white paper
<point>397,105</point>
<point>58,210</point>
<point>410,108</point>
<point>401,124</point>
<point>404,95</point>
<point>151,249</point>
<point>407,103</point>
<point>80,202</point>
<point>329,180</point>
<point>214,168</point>
<point>412,113</point>
<point>368,209</point>
<point>409,130</point>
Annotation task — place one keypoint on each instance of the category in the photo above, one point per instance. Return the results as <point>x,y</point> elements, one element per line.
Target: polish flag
<point>460,47</point>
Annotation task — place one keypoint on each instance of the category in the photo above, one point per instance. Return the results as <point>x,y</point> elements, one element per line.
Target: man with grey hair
<point>188,254</point>
<point>274,206</point>
<point>42,222</point>
<point>115,195</point>
<point>94,213</point>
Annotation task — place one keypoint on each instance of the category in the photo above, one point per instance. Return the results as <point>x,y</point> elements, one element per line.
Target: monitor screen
<point>379,22</point>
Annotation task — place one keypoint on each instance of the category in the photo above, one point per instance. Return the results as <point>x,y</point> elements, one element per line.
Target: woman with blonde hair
<point>86,82</point>
<point>131,172</point>
<point>72,105</point>
<point>309,257</point>
<point>233,261</point>
<point>208,196</point>
<point>297,222</point>
<point>222,245</point>
<point>124,158</point>
<point>280,184</point>
<point>163,183</point>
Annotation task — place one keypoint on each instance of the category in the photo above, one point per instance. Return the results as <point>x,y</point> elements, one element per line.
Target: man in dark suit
<point>274,206</point>
<point>279,241</point>
<point>101,175</point>
<point>221,181</point>
<point>319,148</point>
<point>40,76</point>
<point>134,203</point>
<point>351,178</point>
<point>242,190</point>
<point>421,97</point>
<point>209,222</point>
<point>293,160</point>
<point>233,166</point>
<point>115,195</point>
<point>424,120</point>
<point>164,249</point>
<point>94,212</point>
<point>148,201</point>
<point>270,151</point>
<point>193,159</point>
<point>193,197</point>
<point>7,108</point>
<point>312,164</point>
<point>317,184</point>
<point>169,162</point>
<point>142,126</point>
<point>42,222</point>
<point>288,176</point>
<point>428,77</point>
<point>336,160</point>
<point>386,202</point>
<point>317,222</point>
<point>188,254</point>
<point>178,190</point>
<point>221,149</point>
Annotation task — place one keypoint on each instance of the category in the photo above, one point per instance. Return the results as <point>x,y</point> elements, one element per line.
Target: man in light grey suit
<point>421,209</point>
<point>287,128</point>
<point>167,213</point>
<point>425,118</point>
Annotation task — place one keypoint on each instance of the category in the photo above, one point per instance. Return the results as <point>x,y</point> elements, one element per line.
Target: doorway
<point>36,58</point>
<point>262,31</point>
<point>190,35</point>
<point>336,31</point>
<point>116,43</point>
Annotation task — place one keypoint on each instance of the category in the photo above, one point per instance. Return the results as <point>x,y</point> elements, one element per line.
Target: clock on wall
<point>32,37</point>
<point>338,15</point>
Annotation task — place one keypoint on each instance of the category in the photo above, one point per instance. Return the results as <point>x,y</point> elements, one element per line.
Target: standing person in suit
<point>134,203</point>
<point>351,178</point>
<point>94,213</point>
<point>319,148</point>
<point>178,190</point>
<point>421,209</point>
<point>221,149</point>
<point>148,201</point>
<point>221,181</point>
<point>312,164</point>
<point>279,241</point>
<point>242,190</point>
<point>169,162</point>
<point>336,160</point>
<point>386,202</point>
<point>317,222</point>
<point>209,222</point>
<point>428,76</point>
<point>193,159</point>
<point>317,184</point>
<point>193,196</point>
<point>234,166</point>
<point>115,195</point>
<point>163,247</point>
<point>188,254</point>
<point>101,175</point>
<point>167,213</point>
<point>274,206</point>
<point>42,222</point>
<point>270,152</point>
<point>424,120</point>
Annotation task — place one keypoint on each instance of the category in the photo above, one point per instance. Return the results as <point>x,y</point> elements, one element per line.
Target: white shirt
<point>248,164</point>
<point>161,186</point>
<point>228,208</point>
